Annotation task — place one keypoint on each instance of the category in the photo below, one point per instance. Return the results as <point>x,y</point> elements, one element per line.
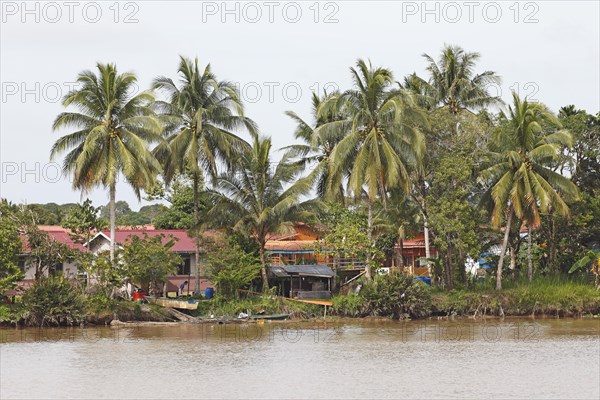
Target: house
<point>59,234</point>
<point>414,255</point>
<point>301,247</point>
<point>184,246</point>
<point>303,281</point>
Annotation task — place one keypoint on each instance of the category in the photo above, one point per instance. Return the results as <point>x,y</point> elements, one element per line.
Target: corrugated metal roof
<point>302,270</point>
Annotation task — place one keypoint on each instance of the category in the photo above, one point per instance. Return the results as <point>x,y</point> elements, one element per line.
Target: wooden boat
<point>173,303</point>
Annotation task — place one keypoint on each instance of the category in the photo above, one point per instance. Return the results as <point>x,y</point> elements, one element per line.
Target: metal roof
<point>284,271</point>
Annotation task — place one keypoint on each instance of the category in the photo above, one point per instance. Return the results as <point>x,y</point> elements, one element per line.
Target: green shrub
<point>52,301</point>
<point>352,305</point>
<point>398,296</point>
<point>225,307</point>
<point>10,314</point>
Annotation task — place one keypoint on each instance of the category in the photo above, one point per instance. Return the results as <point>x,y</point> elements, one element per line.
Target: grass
<point>544,296</point>
<point>220,306</point>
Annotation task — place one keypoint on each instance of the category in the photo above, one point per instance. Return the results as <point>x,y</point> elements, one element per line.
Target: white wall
<point>69,269</point>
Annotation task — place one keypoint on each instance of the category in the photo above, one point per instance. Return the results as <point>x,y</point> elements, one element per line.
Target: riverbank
<point>536,299</point>
<point>543,297</point>
<point>412,301</point>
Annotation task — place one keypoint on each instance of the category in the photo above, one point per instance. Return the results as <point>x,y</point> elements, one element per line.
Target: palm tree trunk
<point>513,258</point>
<point>399,249</point>
<point>113,218</point>
<point>529,260</point>
<point>196,239</point>
<point>462,262</point>
<point>426,234</point>
<point>369,238</point>
<point>503,250</point>
<point>552,255</point>
<point>335,272</point>
<point>449,271</point>
<point>263,265</point>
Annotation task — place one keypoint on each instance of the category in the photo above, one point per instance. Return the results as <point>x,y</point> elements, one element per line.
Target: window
<point>56,269</point>
<point>22,263</point>
<point>184,267</point>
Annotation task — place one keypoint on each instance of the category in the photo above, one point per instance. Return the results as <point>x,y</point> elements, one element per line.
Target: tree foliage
<point>82,220</point>
<point>148,261</point>
<point>253,197</point>
<point>230,267</point>
<point>10,248</point>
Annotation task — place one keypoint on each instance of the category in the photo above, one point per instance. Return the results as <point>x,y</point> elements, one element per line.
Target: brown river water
<point>357,359</point>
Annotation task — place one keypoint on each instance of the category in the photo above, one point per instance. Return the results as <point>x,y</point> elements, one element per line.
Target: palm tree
<point>113,131</point>
<point>381,139</point>
<point>202,114</point>
<point>254,195</point>
<point>315,152</point>
<point>452,82</point>
<point>399,217</point>
<point>453,85</point>
<point>521,184</point>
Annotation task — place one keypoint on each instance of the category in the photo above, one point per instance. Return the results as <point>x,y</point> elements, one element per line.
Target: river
<point>358,359</point>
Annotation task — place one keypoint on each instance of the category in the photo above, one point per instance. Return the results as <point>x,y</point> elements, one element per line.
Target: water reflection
<point>344,359</point>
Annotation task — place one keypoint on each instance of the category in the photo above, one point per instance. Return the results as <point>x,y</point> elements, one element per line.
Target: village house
<point>414,255</point>
<point>299,266</point>
<point>184,246</point>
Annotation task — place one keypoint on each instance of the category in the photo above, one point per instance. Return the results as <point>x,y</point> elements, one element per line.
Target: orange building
<point>301,247</point>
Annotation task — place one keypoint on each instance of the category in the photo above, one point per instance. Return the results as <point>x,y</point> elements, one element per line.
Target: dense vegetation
<point>375,164</point>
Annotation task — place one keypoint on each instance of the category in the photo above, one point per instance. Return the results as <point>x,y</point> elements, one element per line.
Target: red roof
<point>58,233</point>
<point>185,244</point>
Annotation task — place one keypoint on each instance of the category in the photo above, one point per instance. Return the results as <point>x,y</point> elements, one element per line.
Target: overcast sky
<point>278,52</point>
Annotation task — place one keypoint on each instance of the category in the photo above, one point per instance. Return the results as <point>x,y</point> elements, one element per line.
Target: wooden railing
<point>349,264</point>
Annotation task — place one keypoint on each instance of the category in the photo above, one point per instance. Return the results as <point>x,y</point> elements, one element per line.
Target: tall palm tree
<point>202,115</point>
<point>381,139</point>
<point>315,153</point>
<point>520,182</point>
<point>452,82</point>
<point>254,195</point>
<point>114,128</point>
<point>399,217</point>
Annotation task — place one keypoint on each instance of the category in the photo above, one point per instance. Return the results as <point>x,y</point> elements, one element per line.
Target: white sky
<point>554,58</point>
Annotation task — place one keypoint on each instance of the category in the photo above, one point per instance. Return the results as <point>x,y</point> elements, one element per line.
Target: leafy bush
<point>398,296</point>
<point>352,305</point>
<point>267,304</point>
<point>230,267</point>
<point>149,261</point>
<point>10,313</point>
<point>52,301</point>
